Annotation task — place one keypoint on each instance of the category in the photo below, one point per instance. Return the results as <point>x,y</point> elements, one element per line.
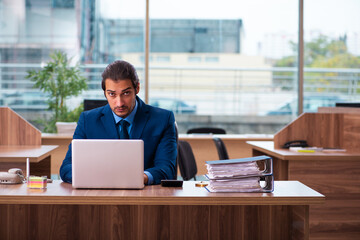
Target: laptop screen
<point>100,163</point>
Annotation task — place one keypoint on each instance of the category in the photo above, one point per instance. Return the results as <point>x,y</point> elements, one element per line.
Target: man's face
<point>121,96</point>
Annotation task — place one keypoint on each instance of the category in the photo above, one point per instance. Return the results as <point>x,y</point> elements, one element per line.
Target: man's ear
<point>137,90</point>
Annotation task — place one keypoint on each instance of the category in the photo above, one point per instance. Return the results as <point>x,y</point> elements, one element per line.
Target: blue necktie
<point>123,132</point>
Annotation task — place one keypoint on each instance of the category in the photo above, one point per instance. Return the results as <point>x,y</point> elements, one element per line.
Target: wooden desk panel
<point>15,130</point>
<point>20,153</point>
<point>60,212</point>
<point>328,130</point>
<point>285,193</point>
<point>336,175</point>
<point>15,157</point>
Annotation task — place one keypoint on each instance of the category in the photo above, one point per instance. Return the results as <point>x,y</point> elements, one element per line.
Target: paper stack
<point>241,175</point>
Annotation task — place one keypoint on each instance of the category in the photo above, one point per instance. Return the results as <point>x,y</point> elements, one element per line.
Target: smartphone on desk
<point>171,183</point>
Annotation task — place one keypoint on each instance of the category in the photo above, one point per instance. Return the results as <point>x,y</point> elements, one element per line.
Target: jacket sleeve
<point>165,155</point>
<point>66,166</point>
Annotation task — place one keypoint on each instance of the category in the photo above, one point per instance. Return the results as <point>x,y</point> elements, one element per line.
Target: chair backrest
<point>186,161</point>
<point>221,148</point>
<point>212,130</point>
<point>94,103</point>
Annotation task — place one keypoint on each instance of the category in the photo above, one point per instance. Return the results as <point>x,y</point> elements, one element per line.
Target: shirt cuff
<point>150,178</point>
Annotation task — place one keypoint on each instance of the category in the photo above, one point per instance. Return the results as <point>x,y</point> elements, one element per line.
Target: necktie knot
<point>123,131</point>
<point>123,123</point>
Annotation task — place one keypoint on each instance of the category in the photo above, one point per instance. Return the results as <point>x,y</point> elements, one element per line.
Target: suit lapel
<point>108,122</point>
<point>140,120</point>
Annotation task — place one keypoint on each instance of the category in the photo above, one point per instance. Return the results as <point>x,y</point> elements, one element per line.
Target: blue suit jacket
<point>155,126</point>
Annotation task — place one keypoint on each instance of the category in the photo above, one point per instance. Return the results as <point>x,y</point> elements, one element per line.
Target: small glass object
<point>37,182</point>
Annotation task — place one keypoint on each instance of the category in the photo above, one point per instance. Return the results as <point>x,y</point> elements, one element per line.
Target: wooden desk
<point>61,212</point>
<point>15,157</point>
<point>202,144</point>
<point>336,175</point>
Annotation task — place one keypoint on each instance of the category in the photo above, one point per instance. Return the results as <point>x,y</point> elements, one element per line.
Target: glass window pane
<point>227,60</point>
<point>332,52</point>
<point>91,33</point>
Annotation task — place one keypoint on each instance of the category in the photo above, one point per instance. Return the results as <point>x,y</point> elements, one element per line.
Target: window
<point>331,51</point>
<point>211,59</point>
<point>240,80</point>
<point>233,59</point>
<point>163,58</point>
<point>63,3</point>
<point>194,59</point>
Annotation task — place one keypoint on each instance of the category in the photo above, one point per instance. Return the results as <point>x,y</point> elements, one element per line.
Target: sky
<point>260,17</point>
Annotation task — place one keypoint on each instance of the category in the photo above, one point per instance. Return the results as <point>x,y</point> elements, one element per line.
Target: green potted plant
<point>60,80</point>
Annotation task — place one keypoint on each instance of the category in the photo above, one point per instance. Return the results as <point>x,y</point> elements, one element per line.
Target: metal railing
<point>208,91</point>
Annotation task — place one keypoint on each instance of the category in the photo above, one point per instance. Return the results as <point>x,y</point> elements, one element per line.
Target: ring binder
<point>240,175</point>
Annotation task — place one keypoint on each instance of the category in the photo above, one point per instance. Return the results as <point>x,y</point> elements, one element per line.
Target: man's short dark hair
<point>120,70</point>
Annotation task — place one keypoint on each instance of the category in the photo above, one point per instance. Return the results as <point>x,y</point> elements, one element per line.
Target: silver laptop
<point>108,163</point>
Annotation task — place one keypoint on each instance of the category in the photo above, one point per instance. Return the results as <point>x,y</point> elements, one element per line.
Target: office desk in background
<point>202,144</point>
<point>336,175</point>
<point>39,157</point>
<point>20,140</point>
<point>61,212</point>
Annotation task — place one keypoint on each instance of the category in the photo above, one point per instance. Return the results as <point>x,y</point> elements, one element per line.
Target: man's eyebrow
<point>126,89</point>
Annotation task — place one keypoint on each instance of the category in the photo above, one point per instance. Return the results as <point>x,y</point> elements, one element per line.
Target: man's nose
<point>119,101</point>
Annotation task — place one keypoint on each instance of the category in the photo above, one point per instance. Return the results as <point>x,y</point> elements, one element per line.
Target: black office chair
<point>94,103</point>
<point>221,148</point>
<point>212,130</point>
<point>186,161</point>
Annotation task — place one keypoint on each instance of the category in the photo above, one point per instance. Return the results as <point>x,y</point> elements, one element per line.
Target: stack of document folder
<point>254,174</point>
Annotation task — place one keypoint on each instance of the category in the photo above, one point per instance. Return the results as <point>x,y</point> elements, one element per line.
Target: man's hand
<point>145,179</point>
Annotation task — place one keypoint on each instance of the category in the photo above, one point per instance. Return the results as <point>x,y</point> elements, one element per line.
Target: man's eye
<point>126,93</point>
<point>111,94</point>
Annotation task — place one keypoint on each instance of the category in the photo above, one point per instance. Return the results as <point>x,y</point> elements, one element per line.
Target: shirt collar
<point>129,118</point>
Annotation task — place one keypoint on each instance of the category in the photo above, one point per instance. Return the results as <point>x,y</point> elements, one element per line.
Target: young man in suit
<point>155,126</point>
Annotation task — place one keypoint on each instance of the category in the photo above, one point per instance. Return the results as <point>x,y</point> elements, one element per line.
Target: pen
<point>306,150</point>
